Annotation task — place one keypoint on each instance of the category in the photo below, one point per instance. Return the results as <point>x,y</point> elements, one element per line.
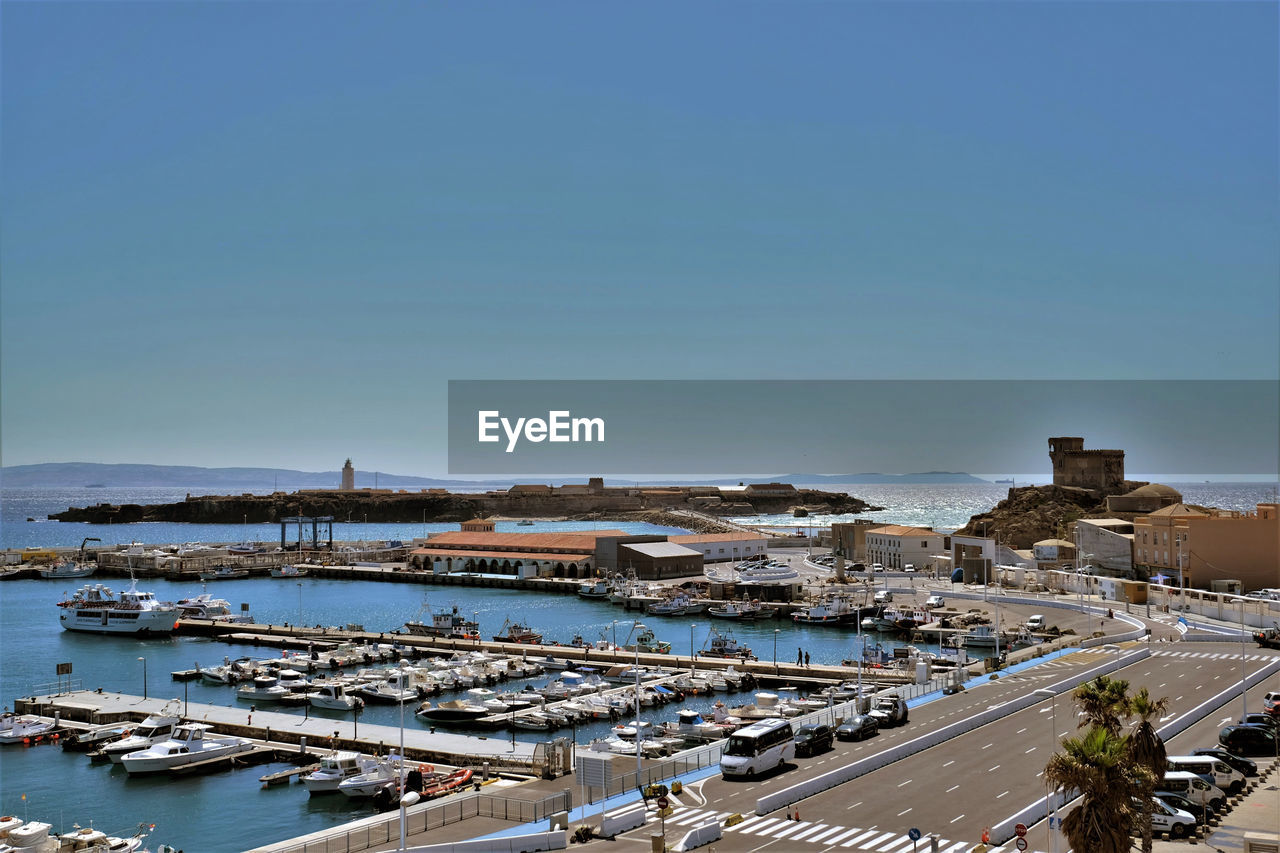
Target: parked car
<point>1036,623</point>
<point>1248,740</point>
<point>935,601</point>
<point>1244,765</point>
<point>858,727</point>
<point>1265,720</point>
<point>1271,701</point>
<point>812,739</point>
<point>1166,818</point>
<point>890,711</point>
<point>908,568</point>
<point>876,567</point>
<point>883,597</point>
<point>1193,788</point>
<point>1196,810</point>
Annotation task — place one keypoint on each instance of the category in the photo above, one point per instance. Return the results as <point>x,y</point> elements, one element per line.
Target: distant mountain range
<point>95,474</point>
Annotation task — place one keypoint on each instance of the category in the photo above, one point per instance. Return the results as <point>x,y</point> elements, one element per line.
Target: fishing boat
<point>645,641</point>
<point>679,604</point>
<point>450,624</point>
<point>68,569</point>
<point>245,548</point>
<point>724,645</point>
<point>94,608</point>
<point>828,610</point>
<point>514,632</point>
<point>223,573</point>
<point>86,740</point>
<point>289,571</point>
<point>16,729</point>
<point>594,589</point>
<point>743,611</point>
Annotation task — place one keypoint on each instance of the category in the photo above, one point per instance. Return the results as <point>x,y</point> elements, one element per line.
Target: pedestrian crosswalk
<point>827,836</point>
<point>1175,653</point>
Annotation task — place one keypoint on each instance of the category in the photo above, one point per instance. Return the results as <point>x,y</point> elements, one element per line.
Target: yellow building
<point>1211,546</point>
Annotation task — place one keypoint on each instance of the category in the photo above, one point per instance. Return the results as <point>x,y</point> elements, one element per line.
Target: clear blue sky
<point>268,233</point>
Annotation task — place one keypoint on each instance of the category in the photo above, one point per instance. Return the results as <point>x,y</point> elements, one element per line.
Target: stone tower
<point>1101,470</point>
<point>348,477</point>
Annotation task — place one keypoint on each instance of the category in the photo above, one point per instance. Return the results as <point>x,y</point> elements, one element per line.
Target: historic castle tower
<point>348,477</point>
<point>1102,470</point>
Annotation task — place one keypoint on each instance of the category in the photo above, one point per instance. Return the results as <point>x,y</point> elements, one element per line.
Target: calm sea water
<point>65,787</point>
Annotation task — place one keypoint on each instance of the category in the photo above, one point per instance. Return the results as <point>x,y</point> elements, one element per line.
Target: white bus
<point>758,747</point>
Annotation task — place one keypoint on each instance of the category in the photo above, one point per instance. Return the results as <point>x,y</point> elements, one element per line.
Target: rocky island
<point>593,499</point>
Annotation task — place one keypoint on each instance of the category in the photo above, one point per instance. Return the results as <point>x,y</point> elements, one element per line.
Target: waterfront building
<point>1148,498</point>
<point>898,545</point>
<point>851,538</point>
<point>1212,546</point>
<point>348,477</point>
<point>563,555</point>
<point>658,560</point>
<point>1053,553</point>
<point>720,547</point>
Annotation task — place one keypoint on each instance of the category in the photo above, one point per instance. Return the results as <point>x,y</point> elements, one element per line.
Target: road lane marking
<point>882,839</point>
<point>767,822</point>
<point>860,838</point>
<point>1032,749</point>
<point>842,836</point>
<point>748,822</point>
<point>831,830</point>
<point>958,817</point>
<point>949,763</point>
<point>809,831</point>
<point>854,806</point>
<point>998,796</point>
<point>1020,731</point>
<point>952,788</point>
<point>904,811</point>
<point>993,769</point>
<point>908,782</point>
<point>787,830</point>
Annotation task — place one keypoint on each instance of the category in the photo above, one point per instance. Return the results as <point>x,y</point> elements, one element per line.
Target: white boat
<point>245,548</point>
<point>594,589</point>
<point>336,768</point>
<point>92,840</point>
<point>397,687</point>
<point>690,723</point>
<point>222,573</point>
<point>68,569</point>
<point>377,774</point>
<point>456,711</point>
<point>742,611</point>
<point>154,729</point>
<point>332,695</point>
<point>229,672</point>
<point>30,835</point>
<point>205,606</point>
<point>679,604</point>
<point>980,637</point>
<point>16,729</point>
<point>537,721</point>
<point>188,744</point>
<point>95,609</point>
<point>289,571</point>
<point>828,610</point>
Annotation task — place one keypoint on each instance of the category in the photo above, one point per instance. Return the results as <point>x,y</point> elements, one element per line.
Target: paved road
<point>973,780</point>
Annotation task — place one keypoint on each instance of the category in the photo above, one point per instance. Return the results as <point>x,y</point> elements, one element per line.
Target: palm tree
<point>1104,702</point>
<point>1098,767</point>
<point>1146,750</point>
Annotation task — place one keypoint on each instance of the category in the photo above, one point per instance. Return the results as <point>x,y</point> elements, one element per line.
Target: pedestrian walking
<point>799,656</point>
<point>806,660</point>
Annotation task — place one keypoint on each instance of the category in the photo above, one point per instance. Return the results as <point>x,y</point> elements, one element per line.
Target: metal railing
<point>384,829</point>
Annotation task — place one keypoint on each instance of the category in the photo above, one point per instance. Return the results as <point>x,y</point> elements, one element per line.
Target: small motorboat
<point>87,740</point>
<point>442,787</point>
<point>289,571</point>
<point>16,729</point>
<point>188,744</point>
<point>335,768</point>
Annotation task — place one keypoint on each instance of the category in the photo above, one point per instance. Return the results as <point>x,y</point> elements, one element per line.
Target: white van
<point>1036,623</point>
<point>1210,769</point>
<point>1193,788</point>
<point>883,597</point>
<point>1165,818</point>
<point>758,747</point>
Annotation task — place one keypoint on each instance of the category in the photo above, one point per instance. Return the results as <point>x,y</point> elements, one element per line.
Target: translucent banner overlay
<point>704,427</point>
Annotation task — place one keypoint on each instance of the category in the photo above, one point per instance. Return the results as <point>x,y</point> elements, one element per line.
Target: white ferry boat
<point>94,608</point>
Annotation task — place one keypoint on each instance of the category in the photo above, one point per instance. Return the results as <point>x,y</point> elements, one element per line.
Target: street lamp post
<point>775,651</point>
<point>144,677</point>
<point>692,659</point>
<point>299,604</point>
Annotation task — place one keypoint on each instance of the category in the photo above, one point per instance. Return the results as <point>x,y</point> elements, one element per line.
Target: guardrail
<point>535,841</point>
<point>832,778</point>
<point>1039,810</point>
<point>382,829</point>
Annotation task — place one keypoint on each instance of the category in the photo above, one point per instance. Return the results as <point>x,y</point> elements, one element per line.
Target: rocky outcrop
<point>408,507</point>
<point>1032,513</point>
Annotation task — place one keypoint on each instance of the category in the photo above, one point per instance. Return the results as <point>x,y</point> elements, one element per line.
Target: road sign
<point>663,802</point>
<point>913,834</point>
<point>1021,844</point>
<point>1020,830</point>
